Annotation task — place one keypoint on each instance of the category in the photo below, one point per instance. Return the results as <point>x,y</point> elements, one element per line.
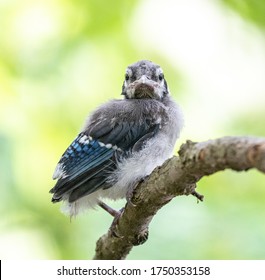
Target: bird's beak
<point>144,87</point>
<point>143,79</point>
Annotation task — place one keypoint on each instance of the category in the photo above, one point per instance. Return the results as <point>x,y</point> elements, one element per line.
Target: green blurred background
<point>59,59</point>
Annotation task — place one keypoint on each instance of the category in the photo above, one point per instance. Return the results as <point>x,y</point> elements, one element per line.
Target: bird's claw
<point>141,238</point>
<point>114,224</point>
<point>131,190</point>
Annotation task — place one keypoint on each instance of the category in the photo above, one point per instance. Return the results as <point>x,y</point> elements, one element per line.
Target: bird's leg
<point>114,213</point>
<point>107,208</point>
<point>139,238</point>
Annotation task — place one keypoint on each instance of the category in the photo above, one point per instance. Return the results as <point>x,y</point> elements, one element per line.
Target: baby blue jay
<point>121,143</point>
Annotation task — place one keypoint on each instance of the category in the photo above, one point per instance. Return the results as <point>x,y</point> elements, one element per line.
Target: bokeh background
<point>59,59</point>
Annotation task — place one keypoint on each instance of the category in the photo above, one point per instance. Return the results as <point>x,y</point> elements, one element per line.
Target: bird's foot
<point>114,224</point>
<point>131,190</point>
<point>141,237</point>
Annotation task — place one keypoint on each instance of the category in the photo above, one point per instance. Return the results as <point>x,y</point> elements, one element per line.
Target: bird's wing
<point>91,157</point>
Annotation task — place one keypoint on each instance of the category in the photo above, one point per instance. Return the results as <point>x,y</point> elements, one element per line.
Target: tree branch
<point>178,176</point>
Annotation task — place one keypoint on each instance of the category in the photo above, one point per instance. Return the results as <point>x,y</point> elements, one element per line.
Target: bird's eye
<point>127,77</point>
<point>161,76</point>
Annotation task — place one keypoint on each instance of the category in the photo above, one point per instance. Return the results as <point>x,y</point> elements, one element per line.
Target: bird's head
<point>144,80</point>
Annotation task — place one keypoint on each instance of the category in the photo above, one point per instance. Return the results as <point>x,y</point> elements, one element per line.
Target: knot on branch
<point>256,156</point>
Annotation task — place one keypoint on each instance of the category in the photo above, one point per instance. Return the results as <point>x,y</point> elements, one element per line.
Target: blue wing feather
<point>81,161</point>
<point>88,161</point>
<point>84,155</point>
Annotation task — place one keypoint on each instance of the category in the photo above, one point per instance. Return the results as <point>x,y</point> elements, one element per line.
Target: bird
<point>120,144</point>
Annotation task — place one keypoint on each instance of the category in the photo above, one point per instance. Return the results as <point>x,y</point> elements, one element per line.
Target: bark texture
<point>177,176</point>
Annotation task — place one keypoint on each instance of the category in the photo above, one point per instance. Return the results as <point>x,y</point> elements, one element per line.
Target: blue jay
<point>121,143</point>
